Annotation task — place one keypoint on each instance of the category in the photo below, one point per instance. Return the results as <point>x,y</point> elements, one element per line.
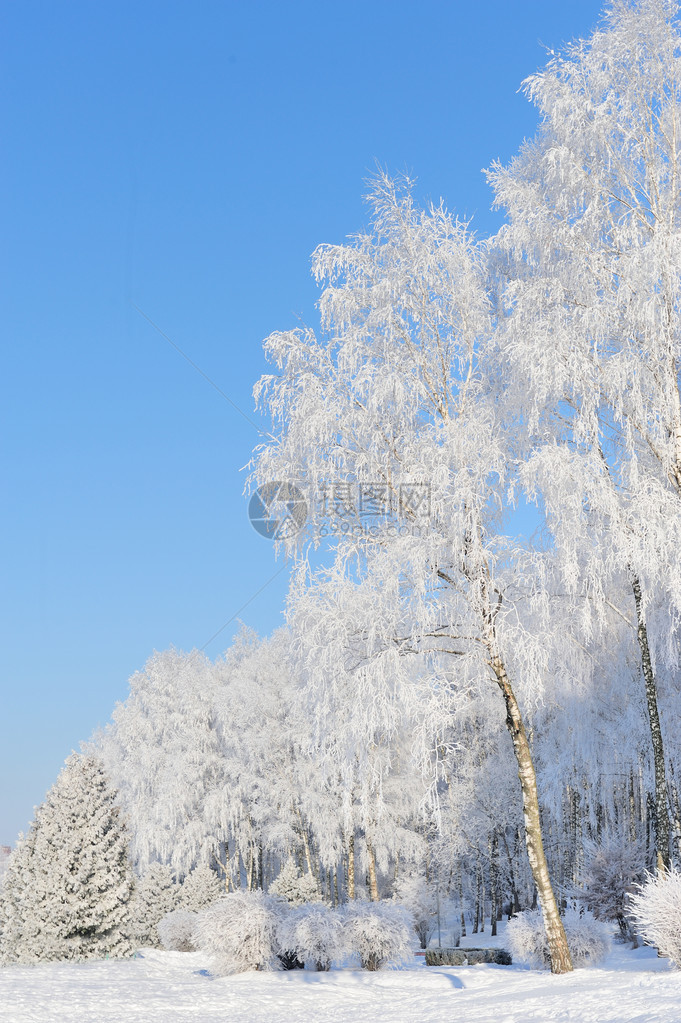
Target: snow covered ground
<point>174,987</point>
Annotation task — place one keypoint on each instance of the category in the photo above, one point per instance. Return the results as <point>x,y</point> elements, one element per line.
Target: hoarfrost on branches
<point>656,910</point>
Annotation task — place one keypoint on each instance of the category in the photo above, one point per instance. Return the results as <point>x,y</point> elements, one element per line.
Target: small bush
<point>312,933</point>
<point>526,939</point>
<point>378,932</point>
<point>176,931</point>
<point>588,940</point>
<point>239,932</point>
<point>656,910</point>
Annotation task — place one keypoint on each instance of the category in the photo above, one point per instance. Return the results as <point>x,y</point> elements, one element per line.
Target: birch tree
<point>164,752</point>
<point>396,392</point>
<point>591,286</point>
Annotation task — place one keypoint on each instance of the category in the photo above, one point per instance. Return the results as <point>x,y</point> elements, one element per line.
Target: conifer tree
<point>293,886</point>
<point>200,888</point>
<point>156,894</point>
<point>69,882</point>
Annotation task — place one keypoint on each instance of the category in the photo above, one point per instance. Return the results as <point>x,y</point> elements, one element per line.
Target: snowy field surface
<point>175,987</point>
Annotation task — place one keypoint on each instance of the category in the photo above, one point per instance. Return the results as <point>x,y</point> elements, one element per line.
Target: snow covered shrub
<point>293,886</point>
<point>420,899</point>
<point>588,940</point>
<point>526,939</point>
<point>68,882</point>
<point>239,932</point>
<point>156,894</point>
<point>611,874</point>
<point>656,910</point>
<point>378,932</point>
<point>176,931</point>
<point>200,888</point>
<point>312,932</point>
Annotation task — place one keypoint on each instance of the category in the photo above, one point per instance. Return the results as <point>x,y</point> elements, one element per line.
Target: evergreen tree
<point>200,888</point>
<point>69,882</point>
<point>16,908</point>
<point>293,886</point>
<point>156,894</point>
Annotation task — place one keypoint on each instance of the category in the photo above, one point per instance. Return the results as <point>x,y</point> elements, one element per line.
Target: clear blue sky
<point>188,158</point>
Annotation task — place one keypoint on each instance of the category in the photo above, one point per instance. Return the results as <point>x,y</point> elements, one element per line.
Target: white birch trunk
<point>561,961</point>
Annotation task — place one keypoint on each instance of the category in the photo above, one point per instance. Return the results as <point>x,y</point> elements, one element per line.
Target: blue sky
<point>187,159</point>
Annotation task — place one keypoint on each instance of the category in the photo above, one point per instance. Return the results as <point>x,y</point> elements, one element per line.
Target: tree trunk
<point>461,906</point>
<point>351,866</point>
<point>260,879</point>
<point>373,883</point>
<point>514,901</point>
<point>494,879</point>
<point>483,897</point>
<point>225,866</point>
<point>561,961</point>
<point>662,826</point>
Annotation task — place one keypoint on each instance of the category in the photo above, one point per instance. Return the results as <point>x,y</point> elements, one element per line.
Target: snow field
<point>175,987</point>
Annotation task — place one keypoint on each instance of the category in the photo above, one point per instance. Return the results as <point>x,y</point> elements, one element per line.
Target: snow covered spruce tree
<point>295,887</point>
<point>69,883</point>
<point>156,894</point>
<point>200,888</point>
<point>395,395</point>
<point>590,261</point>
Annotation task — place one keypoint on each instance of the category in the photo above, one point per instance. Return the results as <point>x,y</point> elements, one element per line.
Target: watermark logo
<point>277,510</point>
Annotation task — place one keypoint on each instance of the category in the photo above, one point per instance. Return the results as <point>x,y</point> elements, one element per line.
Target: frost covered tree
<point>264,734</point>
<point>294,886</point>
<point>156,894</point>
<point>395,393</point>
<point>612,873</point>
<point>420,899</point>
<point>590,291</point>
<point>362,737</point>
<point>5,853</point>
<point>19,924</point>
<point>200,888</point>
<point>164,751</point>
<point>68,886</point>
